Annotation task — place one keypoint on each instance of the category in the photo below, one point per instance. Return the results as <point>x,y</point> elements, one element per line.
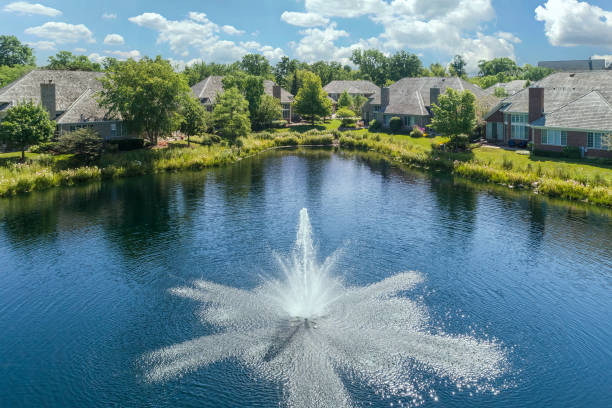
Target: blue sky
<point>311,30</point>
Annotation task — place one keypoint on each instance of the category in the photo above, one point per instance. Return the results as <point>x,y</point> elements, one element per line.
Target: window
<point>598,141</point>
<point>554,137</point>
<point>376,108</point>
<point>409,121</point>
<point>519,126</point>
<point>113,129</point>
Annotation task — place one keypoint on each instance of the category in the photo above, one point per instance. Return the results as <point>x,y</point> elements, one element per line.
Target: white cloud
<point>199,33</point>
<point>109,16</point>
<point>271,53</point>
<point>114,39</point>
<point>346,8</point>
<point>95,57</point>
<point>62,32</point>
<point>23,7</point>
<point>120,55</point>
<point>231,30</point>
<point>607,58</point>
<point>80,50</point>
<point>252,45</point>
<point>304,19</point>
<point>571,23</point>
<point>43,45</point>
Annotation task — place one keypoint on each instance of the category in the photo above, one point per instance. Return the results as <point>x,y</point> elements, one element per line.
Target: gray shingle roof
<point>207,90</point>
<point>351,87</point>
<point>589,112</point>
<point>410,96</point>
<point>85,109</point>
<point>69,86</point>
<point>574,65</point>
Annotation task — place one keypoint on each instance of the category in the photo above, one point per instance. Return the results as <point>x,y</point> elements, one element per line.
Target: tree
<point>85,144</point>
<point>250,86</point>
<point>295,84</point>
<point>500,92</point>
<point>345,100</point>
<point>496,66</point>
<point>200,70</point>
<point>195,118</point>
<point>65,60</point>
<point>402,65</point>
<point>358,102</point>
<point>311,99</point>
<point>13,52</point>
<point>373,64</point>
<point>256,64</point>
<point>455,113</point>
<point>24,125</point>
<point>10,74</point>
<point>148,95</point>
<point>231,115</point>
<point>457,66</point>
<point>269,110</point>
<point>437,69</point>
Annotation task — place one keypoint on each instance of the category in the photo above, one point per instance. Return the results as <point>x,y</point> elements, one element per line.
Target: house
<point>574,65</point>
<point>208,89</point>
<point>336,88</point>
<point>511,87</point>
<point>562,110</point>
<point>411,98</point>
<point>70,99</point>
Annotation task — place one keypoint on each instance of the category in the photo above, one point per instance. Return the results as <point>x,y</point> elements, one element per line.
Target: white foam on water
<point>312,333</point>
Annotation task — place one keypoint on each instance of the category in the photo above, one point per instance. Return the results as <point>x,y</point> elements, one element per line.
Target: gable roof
<point>590,112</point>
<point>208,89</point>
<point>85,109</point>
<point>411,96</point>
<point>351,87</point>
<point>69,86</point>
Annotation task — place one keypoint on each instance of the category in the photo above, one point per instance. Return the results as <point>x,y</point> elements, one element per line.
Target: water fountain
<point>313,333</point>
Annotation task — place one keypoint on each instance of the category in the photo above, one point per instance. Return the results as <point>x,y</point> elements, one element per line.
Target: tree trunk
<point>188,141</point>
<point>23,154</point>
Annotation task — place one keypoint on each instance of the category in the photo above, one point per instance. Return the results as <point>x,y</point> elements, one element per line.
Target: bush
<point>572,152</point>
<point>279,124</point>
<point>128,144</point>
<point>459,142</point>
<point>417,132</point>
<point>347,116</point>
<point>375,126</point>
<point>395,124</point>
<point>85,144</point>
<point>46,147</point>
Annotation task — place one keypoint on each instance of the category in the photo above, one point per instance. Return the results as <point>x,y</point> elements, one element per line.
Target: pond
<point>88,280</point>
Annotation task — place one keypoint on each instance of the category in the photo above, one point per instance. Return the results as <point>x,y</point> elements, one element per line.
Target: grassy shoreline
<point>564,180</point>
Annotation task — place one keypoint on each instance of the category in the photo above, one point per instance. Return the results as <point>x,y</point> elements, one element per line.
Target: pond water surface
<point>85,275</point>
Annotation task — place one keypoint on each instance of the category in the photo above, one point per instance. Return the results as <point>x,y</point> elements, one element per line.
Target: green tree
<point>148,94</point>
<point>347,116</point>
<point>85,144</point>
<point>457,66</point>
<point>10,74</point>
<point>500,92</point>
<point>496,66</point>
<point>24,125</point>
<point>373,64</point>
<point>65,60</point>
<point>195,118</point>
<point>532,73</point>
<point>437,69</point>
<point>345,100</point>
<point>311,100</point>
<point>358,102</point>
<point>201,70</point>
<point>250,86</point>
<point>13,52</point>
<point>269,110</point>
<point>231,115</point>
<point>256,64</point>
<point>455,113</point>
<point>403,64</point>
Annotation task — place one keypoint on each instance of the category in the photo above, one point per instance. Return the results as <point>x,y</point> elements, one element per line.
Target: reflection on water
<point>85,274</point>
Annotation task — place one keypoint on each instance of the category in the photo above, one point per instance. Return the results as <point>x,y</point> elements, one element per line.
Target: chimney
<point>47,98</point>
<point>536,103</point>
<point>434,94</point>
<point>276,91</point>
<point>384,96</point>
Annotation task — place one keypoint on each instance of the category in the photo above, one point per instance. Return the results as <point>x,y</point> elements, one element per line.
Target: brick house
<point>209,88</point>
<point>70,99</point>
<point>411,99</point>
<point>562,110</point>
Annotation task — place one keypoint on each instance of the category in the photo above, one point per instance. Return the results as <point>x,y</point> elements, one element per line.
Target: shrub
<point>128,144</point>
<point>85,144</point>
<point>347,116</point>
<point>375,126</point>
<point>45,147</point>
<point>417,132</point>
<point>459,142</point>
<point>572,152</point>
<point>395,124</point>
